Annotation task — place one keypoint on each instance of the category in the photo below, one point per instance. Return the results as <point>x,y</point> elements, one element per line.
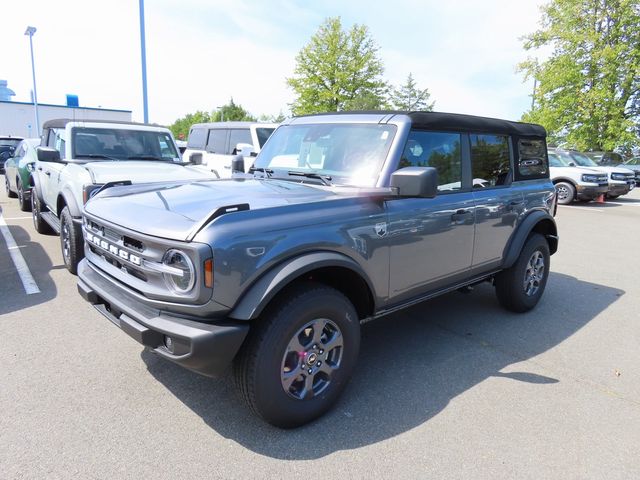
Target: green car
<point>17,171</point>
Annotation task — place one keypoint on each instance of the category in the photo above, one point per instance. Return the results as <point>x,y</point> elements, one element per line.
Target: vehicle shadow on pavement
<point>411,365</point>
<point>12,293</point>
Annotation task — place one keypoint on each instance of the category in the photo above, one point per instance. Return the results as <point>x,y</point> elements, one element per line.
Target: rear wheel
<point>299,355</point>
<point>565,192</point>
<point>520,287</point>
<point>39,223</point>
<point>7,187</point>
<point>25,205</point>
<point>70,241</point>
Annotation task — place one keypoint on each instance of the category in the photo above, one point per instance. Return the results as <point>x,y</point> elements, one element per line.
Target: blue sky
<point>202,52</point>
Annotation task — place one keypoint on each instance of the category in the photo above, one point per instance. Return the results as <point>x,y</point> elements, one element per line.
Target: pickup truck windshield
<point>121,144</point>
<point>347,154</point>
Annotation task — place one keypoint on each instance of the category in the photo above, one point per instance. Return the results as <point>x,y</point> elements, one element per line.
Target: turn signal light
<point>208,273</point>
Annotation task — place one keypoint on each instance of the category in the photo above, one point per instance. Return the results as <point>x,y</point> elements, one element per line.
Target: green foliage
<point>338,70</point>
<point>180,128</point>
<point>410,98</point>
<point>229,112</point>
<point>588,91</point>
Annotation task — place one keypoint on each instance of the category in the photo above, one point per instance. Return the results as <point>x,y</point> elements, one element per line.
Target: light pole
<point>145,105</point>
<point>221,110</point>
<point>30,31</point>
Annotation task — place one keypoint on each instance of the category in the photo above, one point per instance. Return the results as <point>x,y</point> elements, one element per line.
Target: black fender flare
<point>535,218</point>
<point>35,187</point>
<point>261,292</point>
<point>70,201</point>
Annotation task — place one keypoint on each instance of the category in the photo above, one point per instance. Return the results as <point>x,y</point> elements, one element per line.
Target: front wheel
<point>70,241</point>
<point>565,192</point>
<point>299,355</point>
<point>519,287</point>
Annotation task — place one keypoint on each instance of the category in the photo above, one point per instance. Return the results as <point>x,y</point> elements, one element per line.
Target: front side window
<point>490,160</point>
<point>197,138</point>
<point>56,140</point>
<point>441,151</point>
<point>348,154</point>
<point>239,135</point>
<point>121,144</point>
<point>263,134</point>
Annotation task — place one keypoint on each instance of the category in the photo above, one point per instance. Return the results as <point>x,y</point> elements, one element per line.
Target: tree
<point>229,112</point>
<point>338,70</point>
<point>589,89</point>
<point>232,112</point>
<point>180,128</point>
<point>410,98</point>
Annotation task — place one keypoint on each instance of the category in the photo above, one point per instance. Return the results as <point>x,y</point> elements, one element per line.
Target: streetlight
<point>221,110</point>
<point>145,106</point>
<point>30,31</point>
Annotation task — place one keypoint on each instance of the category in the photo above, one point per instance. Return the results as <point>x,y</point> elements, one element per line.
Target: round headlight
<point>179,282</point>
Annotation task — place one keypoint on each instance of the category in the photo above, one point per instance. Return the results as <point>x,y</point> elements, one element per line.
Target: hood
<point>569,170</point>
<point>612,169</point>
<point>141,171</point>
<point>176,210</point>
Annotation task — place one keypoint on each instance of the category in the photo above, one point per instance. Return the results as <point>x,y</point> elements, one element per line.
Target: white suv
<point>76,158</point>
<point>575,183</point>
<point>220,142</point>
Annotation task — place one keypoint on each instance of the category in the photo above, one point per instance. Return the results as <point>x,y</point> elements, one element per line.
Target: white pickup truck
<point>76,158</point>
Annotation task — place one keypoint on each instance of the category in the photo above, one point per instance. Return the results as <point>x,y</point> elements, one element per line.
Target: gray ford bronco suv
<point>344,218</point>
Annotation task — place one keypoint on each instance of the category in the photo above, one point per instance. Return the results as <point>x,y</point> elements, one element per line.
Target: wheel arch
<point>65,198</point>
<point>329,268</point>
<point>537,221</point>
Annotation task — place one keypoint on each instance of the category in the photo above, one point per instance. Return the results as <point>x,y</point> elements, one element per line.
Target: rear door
<point>216,156</point>
<point>431,239</point>
<point>498,205</point>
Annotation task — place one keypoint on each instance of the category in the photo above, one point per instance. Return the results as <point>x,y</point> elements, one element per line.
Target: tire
<point>566,192</point>
<point>39,223</point>
<point>71,242</point>
<point>25,206</point>
<point>520,287</point>
<point>612,196</point>
<point>10,194</point>
<point>272,369</point>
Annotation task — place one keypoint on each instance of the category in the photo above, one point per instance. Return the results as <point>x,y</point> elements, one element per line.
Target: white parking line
<point>29,284</point>
<point>19,218</point>
<point>624,204</point>
<point>591,209</point>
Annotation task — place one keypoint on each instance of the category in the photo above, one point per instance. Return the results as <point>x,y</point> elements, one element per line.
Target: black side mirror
<point>195,158</point>
<point>48,154</point>
<point>415,182</point>
<point>237,164</point>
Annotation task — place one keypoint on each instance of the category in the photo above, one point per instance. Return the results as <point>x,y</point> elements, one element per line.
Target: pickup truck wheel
<point>70,241</point>
<point>25,206</point>
<point>7,187</point>
<point>565,192</point>
<point>520,287</point>
<point>39,223</point>
<point>299,355</point>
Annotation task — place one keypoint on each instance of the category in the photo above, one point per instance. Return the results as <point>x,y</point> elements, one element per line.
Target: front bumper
<point>619,189</point>
<point>591,192</point>
<point>205,348</point>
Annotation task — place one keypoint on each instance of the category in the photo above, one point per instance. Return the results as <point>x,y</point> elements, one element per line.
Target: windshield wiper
<point>267,171</point>
<point>97,155</point>
<point>325,179</point>
<point>144,157</point>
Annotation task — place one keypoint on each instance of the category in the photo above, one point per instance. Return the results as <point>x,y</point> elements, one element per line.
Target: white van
<point>220,142</point>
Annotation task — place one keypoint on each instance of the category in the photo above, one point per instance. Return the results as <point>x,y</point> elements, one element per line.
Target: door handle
<point>47,173</point>
<point>460,215</point>
<point>515,205</point>
<point>40,168</point>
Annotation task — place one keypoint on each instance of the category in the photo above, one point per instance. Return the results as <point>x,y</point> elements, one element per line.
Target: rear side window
<point>263,134</point>
<point>439,150</point>
<point>197,138</point>
<point>217,142</point>
<point>532,159</point>
<point>490,160</point>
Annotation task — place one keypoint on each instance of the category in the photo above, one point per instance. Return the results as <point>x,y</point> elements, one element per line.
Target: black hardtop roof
<point>231,124</point>
<point>62,122</point>
<point>456,122</point>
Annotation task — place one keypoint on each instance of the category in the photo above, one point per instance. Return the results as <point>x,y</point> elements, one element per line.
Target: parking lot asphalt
<point>453,388</point>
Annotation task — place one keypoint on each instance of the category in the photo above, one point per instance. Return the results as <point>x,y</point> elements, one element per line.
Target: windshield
<point>633,161</point>
<point>9,142</point>
<point>556,161</point>
<point>121,144</point>
<point>582,160</point>
<point>345,154</point>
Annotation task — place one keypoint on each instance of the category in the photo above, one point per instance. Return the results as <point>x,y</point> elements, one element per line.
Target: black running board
<point>52,220</point>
